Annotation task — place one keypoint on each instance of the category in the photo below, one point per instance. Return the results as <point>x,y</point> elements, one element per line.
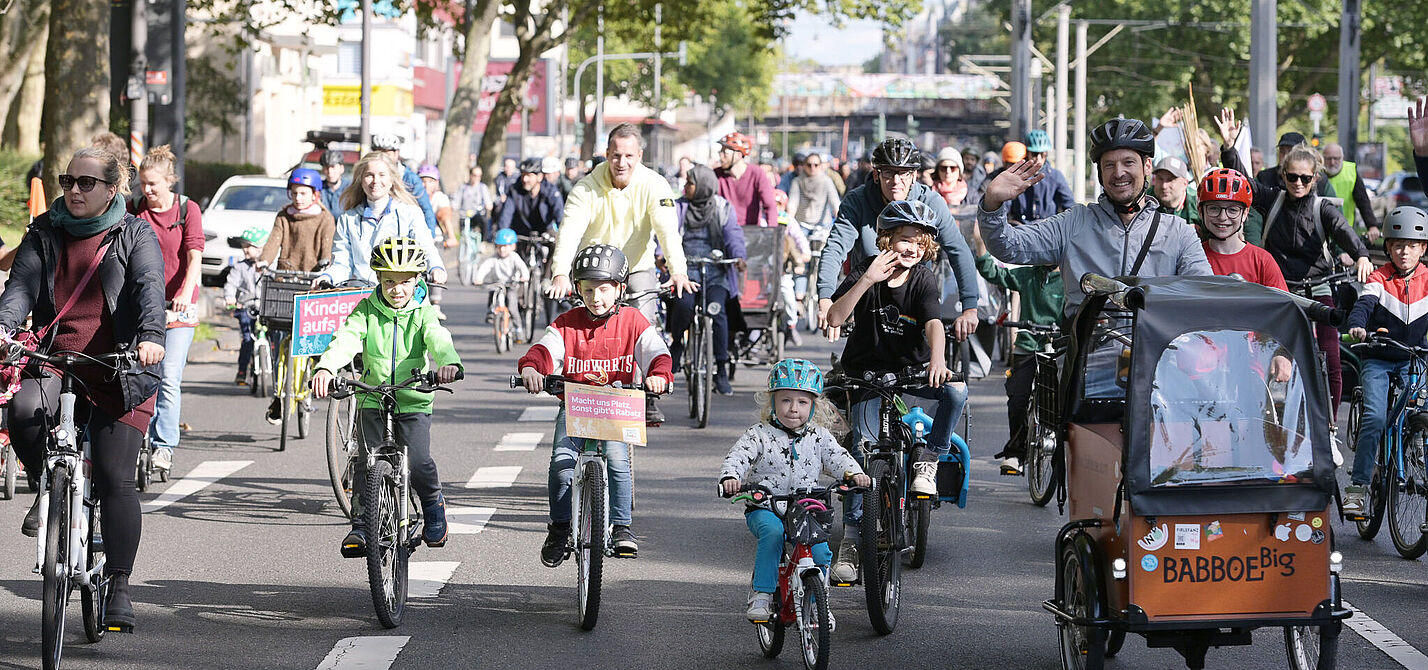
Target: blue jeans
<point>164,428</point>
<point>768,530</point>
<point>679,315</point>
<point>1374,378</point>
<point>564,453</point>
<point>245,328</point>
<point>951,399</point>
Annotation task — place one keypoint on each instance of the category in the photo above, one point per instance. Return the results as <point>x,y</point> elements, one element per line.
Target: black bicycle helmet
<point>530,166</point>
<point>900,213</point>
<point>1406,223</point>
<point>897,153</point>
<point>331,157</point>
<point>1122,134</point>
<point>600,262</point>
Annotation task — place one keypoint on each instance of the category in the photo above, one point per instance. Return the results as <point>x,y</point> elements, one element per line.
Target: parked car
<point>1399,188</point>
<point>242,202</point>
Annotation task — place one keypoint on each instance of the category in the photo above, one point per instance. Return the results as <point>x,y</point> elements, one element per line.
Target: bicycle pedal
<point>852,583</point>
<point>119,628</point>
<point>624,554</point>
<point>1011,472</point>
<point>922,496</point>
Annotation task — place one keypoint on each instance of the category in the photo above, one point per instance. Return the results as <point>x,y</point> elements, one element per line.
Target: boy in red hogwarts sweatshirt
<point>599,344</point>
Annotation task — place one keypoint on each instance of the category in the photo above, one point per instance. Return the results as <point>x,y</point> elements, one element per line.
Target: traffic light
<point>880,128</point>
<point>911,127</point>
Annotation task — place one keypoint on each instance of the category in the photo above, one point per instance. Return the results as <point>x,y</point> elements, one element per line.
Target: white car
<point>241,203</point>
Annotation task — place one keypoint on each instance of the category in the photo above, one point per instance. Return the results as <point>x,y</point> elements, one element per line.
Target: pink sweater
<point>751,195</point>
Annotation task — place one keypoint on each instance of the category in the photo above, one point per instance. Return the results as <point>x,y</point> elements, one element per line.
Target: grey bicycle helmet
<point>600,262</point>
<point>530,166</point>
<point>331,157</point>
<point>897,153</point>
<point>1406,223</point>
<point>1122,134</point>
<point>386,142</point>
<point>900,213</point>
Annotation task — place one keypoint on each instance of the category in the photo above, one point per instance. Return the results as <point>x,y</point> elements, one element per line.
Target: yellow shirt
<point>629,218</point>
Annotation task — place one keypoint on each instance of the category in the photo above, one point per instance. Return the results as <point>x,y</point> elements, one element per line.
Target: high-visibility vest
<point>1343,184</point>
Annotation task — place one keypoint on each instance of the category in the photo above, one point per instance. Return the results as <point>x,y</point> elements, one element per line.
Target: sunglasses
<point>948,167</point>
<point>86,183</point>
<point>1301,178</point>
<point>812,164</point>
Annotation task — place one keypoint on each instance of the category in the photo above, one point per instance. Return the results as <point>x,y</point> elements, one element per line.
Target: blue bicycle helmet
<point>1038,142</point>
<point>504,236</point>
<point>797,374</point>
<point>306,177</point>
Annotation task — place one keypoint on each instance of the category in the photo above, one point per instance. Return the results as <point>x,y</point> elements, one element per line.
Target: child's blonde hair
<point>825,414</point>
<point>924,239</point>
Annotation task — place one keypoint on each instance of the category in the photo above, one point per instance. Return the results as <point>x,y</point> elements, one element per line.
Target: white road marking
<point>425,578</point>
<point>372,652</point>
<point>1387,642</point>
<point>540,413</point>
<point>520,441</point>
<point>198,479</point>
<point>494,477</point>
<point>468,520</point>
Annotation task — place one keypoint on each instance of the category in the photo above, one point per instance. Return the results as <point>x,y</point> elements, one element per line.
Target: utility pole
<point>1078,182</point>
<point>564,94</point>
<point>1264,79</point>
<point>600,76</point>
<point>1021,91</point>
<point>1063,29</point>
<point>659,55</point>
<point>180,82</point>
<point>138,90</point>
<point>366,112</point>
<point>1350,29</point>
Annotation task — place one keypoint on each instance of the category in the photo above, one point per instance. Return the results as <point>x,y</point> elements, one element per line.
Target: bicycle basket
<point>276,310</point>
<point>802,525</point>
<point>1047,399</point>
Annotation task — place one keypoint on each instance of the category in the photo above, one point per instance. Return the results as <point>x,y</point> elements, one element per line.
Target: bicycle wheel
<point>878,548</point>
<point>590,544</point>
<point>1040,464</point>
<point>55,570</point>
<point>531,304</point>
<point>813,622</point>
<point>285,399</point>
<point>771,632</point>
<point>92,598</point>
<point>1407,505</point>
<point>706,369</point>
<point>12,470</point>
<point>698,358</point>
<point>1369,524</point>
<point>144,468</point>
<point>1082,647</point>
<point>1311,647</point>
<point>387,546</point>
<point>919,517</point>
<point>1355,418</point>
<point>263,371</point>
<point>341,446</point>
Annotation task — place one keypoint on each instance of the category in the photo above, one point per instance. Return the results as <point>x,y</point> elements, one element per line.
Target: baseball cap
<point>1174,165</point>
<point>1291,139</point>
<point>550,165</point>
<point>572,162</point>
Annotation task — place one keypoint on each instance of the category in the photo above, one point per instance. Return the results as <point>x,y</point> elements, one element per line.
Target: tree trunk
<point>22,27</point>
<point>32,98</point>
<point>455,161</point>
<point>76,82</point>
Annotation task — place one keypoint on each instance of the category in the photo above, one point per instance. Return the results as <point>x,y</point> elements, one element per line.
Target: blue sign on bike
<point>317,316</point>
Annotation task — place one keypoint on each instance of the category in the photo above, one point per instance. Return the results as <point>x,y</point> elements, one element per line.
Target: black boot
<point>31,525</point>
<point>119,611</point>
<point>721,378</point>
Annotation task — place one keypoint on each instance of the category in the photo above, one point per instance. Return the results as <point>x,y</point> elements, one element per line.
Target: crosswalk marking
<point>425,578</point>
<point>1380,636</point>
<point>468,520</point>
<point>519,441</point>
<point>373,652</point>
<point>197,479</point>
<point>539,413</point>
<point>494,477</point>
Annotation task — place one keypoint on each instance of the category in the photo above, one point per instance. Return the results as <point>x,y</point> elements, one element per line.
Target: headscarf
<point>82,228</point>
<point>703,209</point>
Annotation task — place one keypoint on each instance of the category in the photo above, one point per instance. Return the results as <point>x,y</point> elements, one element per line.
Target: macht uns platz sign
<point>605,413</point>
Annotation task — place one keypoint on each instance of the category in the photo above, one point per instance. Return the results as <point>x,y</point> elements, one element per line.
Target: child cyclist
<point>301,239</point>
<point>505,267</point>
<point>395,330</point>
<point>242,286</point>
<point>600,343</point>
<point>896,303</point>
<point>785,451</point>
<point>1394,299</point>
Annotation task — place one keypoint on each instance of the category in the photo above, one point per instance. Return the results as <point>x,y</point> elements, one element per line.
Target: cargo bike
<point>1198,474</point>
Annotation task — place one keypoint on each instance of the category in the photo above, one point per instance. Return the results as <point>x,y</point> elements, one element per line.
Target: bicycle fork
<point>576,486</point>
<point>77,495</point>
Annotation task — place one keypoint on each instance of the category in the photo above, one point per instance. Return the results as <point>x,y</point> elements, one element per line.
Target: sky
<point>812,38</point>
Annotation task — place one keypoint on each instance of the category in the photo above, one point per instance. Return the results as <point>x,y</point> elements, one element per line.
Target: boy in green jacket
<point>1042,299</point>
<point>395,329</point>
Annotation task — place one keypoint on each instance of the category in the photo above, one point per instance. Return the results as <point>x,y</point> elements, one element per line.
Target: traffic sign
<point>1317,103</point>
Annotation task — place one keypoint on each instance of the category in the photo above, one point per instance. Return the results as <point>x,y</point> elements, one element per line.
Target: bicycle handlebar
<point>1377,339</point>
<point>760,494</point>
<point>908,379</point>
<point>1335,279</point>
<point>1029,326</point>
<point>555,385</point>
<point>119,361</point>
<point>421,382</point>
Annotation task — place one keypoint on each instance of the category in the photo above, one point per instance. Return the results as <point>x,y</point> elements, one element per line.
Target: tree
<point>22,29</point>
<point>215,97</point>
<point>76,83</point>
<point>455,161</point>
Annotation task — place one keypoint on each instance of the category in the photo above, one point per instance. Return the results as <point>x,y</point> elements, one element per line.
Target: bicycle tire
<point>1082,647</point>
<point>706,374</point>
<point>304,408</point>
<point>12,471</point>
<point>55,568</point>
<point>814,623</point>
<point>92,599</point>
<point>1407,505</point>
<point>1355,418</point>
<point>696,357</point>
<point>1312,647</point>
<point>878,548</point>
<point>143,470</point>
<point>590,545</point>
<point>1368,525</point>
<point>263,372</point>
<point>341,446</point>
<point>919,519</point>
<point>387,546</point>
<point>285,371</point>
<point>1040,467</point>
<point>771,633</point>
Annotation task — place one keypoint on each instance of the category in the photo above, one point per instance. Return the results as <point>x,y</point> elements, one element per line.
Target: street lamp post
<point>599,60</point>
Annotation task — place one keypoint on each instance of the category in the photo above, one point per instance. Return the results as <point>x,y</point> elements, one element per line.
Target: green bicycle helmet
<point>797,374</point>
<point>256,236</point>
<point>398,254</point>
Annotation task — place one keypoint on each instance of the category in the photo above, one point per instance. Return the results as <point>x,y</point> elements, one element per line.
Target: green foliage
<point>215,97</point>
<point>202,179</point>
<point>14,193</point>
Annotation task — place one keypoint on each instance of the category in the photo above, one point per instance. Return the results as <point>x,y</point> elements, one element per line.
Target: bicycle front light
<point>1118,568</point>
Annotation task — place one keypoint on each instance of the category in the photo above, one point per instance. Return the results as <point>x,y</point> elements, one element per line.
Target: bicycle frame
<point>1415,384</point>
<point>591,451</point>
<point>396,454</point>
<point>66,450</point>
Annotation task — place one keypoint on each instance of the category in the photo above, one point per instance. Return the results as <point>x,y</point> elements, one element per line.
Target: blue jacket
<point>1048,198</point>
<point>855,237</point>
<point>531,214</point>
<point>331,197</point>
<point>414,185</point>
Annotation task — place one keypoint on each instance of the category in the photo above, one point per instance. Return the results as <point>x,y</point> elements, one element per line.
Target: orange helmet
<point>1225,184</point>
<point>738,142</point>
<point>1013,152</point>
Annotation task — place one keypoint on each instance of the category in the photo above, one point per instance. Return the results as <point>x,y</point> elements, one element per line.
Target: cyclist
<point>395,330</point>
<point>1051,195</point>
<point>506,266</point>
<point>333,180</point>
<point>706,222</point>
<point>242,286</point>
<point>1225,199</point>
<point>855,231</point>
<point>474,202</point>
<point>95,304</point>
<point>895,301</point>
<point>391,147</point>
<point>947,179</point>
<point>533,205</point>
<point>787,450</point>
<point>599,343</point>
<point>301,238</point>
<point>746,187</point>
<point>569,177</point>
<point>1395,299</point>
<point>1343,176</point>
<point>376,206</point>
<point>813,197</point>
<point>440,203</point>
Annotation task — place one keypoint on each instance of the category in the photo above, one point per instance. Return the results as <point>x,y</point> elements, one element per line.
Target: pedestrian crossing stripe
<point>368,652</point>
<point>426,578</point>
<point>519,441</point>
<point>468,520</point>
<point>494,477</point>
<point>543,413</point>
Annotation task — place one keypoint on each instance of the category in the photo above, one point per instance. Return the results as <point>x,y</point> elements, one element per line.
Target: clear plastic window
<point>1228,406</point>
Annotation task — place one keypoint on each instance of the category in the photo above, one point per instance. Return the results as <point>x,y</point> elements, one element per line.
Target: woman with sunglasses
<point>99,268</point>
<point>1300,229</point>
<point>948,179</point>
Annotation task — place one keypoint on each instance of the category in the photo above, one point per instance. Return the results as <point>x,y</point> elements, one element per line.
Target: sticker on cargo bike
<point>317,316</point>
<point>605,413</point>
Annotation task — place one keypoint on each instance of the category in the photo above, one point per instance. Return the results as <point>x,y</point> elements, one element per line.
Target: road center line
<point>1387,642</point>
<point>373,652</point>
<point>425,578</point>
<point>198,479</point>
<point>494,477</point>
<point>540,413</point>
<point>520,441</point>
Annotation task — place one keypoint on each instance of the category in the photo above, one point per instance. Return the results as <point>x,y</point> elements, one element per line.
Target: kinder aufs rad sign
<point>317,316</point>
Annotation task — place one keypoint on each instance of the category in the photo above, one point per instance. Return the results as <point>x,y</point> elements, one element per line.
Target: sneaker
<point>30,527</point>
<point>924,478</point>
<point>355,544</point>
<point>552,552</point>
<point>163,458</point>
<point>275,411</point>
<point>623,542</point>
<point>760,607</point>
<point>242,378</point>
<point>434,533</point>
<point>845,568</point>
<point>119,610</point>
<point>721,379</point>
<point>1011,466</point>
<point>653,417</point>
<point>490,318</point>
<point>1354,500</point>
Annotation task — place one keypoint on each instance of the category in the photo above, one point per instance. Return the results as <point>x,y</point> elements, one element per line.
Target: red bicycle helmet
<point>1225,184</point>
<point>738,142</point>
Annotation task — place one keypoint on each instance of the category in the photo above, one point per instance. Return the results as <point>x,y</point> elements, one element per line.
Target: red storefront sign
<point>495,80</point>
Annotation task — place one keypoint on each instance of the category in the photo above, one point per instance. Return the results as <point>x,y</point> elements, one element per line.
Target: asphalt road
<point>245,572</point>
